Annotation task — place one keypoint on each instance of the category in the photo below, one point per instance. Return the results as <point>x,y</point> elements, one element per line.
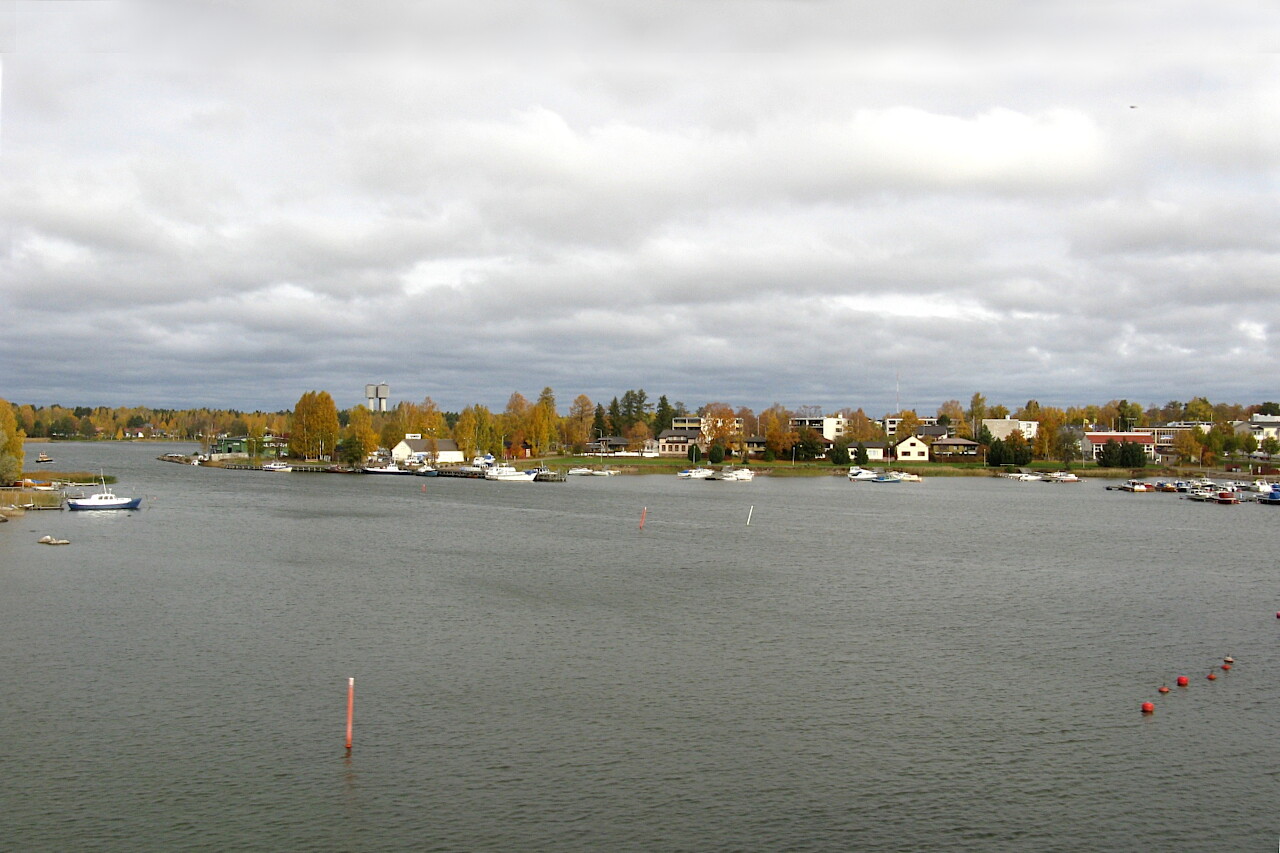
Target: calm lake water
<point>952,665</point>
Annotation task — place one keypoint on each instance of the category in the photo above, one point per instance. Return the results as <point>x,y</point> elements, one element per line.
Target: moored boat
<point>695,473</point>
<point>1271,498</point>
<point>505,473</point>
<point>277,466</point>
<point>857,473</point>
<point>103,499</point>
<point>43,458</point>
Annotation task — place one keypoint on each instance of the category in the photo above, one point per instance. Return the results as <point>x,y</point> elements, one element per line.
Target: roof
<point>1120,437</point>
<point>958,442</point>
<point>423,445</point>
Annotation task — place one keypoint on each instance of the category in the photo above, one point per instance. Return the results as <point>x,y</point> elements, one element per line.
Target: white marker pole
<point>753,509</point>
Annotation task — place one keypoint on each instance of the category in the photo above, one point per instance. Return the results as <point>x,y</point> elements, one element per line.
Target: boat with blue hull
<point>104,499</point>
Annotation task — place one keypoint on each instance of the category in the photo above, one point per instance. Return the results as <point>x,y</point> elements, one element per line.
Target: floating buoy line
<point>1183,681</point>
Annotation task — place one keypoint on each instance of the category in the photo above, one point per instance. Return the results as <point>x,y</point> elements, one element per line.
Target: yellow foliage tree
<point>12,452</point>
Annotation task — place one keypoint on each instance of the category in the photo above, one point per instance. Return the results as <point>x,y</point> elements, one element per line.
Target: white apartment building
<point>832,429</point>
<point>890,424</point>
<point>705,426</point>
<point>1002,428</point>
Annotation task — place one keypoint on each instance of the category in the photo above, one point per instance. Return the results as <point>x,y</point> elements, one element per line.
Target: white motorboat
<point>582,472</point>
<point>742,475</point>
<point>695,473</point>
<point>858,473</point>
<point>1062,477</point>
<point>508,474</point>
<point>103,499</point>
<point>277,466</point>
<point>906,477</point>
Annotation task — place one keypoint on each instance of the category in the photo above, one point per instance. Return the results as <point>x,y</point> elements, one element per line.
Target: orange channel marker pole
<point>643,513</point>
<point>351,707</point>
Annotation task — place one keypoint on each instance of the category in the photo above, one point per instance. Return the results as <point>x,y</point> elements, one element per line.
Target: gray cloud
<point>800,202</point>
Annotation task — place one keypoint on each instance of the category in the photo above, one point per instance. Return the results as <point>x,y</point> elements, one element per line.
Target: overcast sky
<point>796,201</point>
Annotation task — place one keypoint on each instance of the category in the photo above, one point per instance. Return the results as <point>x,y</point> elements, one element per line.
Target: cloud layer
<point>752,202</point>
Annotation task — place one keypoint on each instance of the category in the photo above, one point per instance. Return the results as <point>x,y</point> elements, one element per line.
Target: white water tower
<point>376,395</point>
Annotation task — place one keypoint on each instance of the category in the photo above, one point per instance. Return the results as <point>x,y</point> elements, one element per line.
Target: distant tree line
<point>317,428</point>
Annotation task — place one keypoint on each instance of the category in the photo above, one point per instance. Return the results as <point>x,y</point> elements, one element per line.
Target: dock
<point>467,473</point>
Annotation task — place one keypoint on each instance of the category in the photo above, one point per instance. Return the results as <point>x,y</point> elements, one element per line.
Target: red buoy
<point>1212,677</point>
<point>1226,667</point>
<point>1183,681</point>
<point>1148,707</point>
<point>1163,689</point>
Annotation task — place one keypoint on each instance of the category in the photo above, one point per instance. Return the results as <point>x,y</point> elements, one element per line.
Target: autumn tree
<point>431,421</point>
<point>861,428</point>
<point>314,430</point>
<point>1045,444</point>
<point>513,423</point>
<point>543,423</point>
<point>12,453</point>
<point>636,435</point>
<point>360,438</point>
<point>951,414</point>
<point>719,424</point>
<point>908,424</point>
<point>476,432</point>
<point>575,429</point>
<point>397,423</point>
<point>1029,412</point>
<point>977,411</point>
<point>775,426</point>
<point>1198,409</point>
